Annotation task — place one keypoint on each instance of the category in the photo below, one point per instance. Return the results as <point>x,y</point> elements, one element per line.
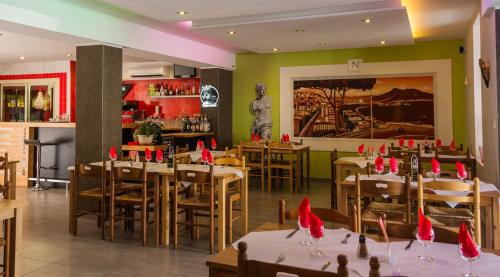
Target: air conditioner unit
<point>153,71</point>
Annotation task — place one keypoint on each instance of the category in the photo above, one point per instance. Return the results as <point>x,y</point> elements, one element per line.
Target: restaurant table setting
<point>313,247</point>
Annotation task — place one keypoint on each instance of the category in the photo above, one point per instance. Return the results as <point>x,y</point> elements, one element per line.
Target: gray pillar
<point>98,101</point>
<point>221,116</point>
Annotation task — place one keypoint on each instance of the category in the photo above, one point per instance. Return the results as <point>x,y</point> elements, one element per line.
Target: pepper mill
<point>342,270</point>
<point>362,249</point>
<point>374,267</point>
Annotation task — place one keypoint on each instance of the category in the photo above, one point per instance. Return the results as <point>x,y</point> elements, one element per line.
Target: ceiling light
<point>322,43</point>
<point>231,33</point>
<point>68,55</point>
<point>367,20</point>
<point>22,57</point>
<point>182,12</point>
<point>382,42</point>
<point>300,30</point>
<point>275,49</point>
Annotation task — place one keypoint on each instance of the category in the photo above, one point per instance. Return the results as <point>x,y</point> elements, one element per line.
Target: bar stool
<point>36,143</point>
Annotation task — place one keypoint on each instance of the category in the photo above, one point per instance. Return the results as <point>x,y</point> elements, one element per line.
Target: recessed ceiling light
<point>69,55</point>
<point>275,49</point>
<point>299,30</point>
<point>382,42</point>
<point>322,43</point>
<point>231,33</point>
<point>182,12</point>
<point>21,58</point>
<point>367,20</point>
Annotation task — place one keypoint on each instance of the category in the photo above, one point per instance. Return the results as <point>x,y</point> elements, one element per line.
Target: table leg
<point>221,226</point>
<point>244,203</point>
<point>496,223</point>
<point>308,157</point>
<point>157,208</point>
<point>165,215</point>
<point>341,196</point>
<point>17,228</point>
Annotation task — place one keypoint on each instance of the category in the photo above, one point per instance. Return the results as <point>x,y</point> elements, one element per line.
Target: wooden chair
<point>234,152</point>
<point>464,157</point>
<point>284,167</point>
<point>333,171</point>
<point>252,268</point>
<point>447,217</point>
<point>195,203</point>
<point>138,199</point>
<point>94,178</point>
<point>233,193</point>
<point>179,150</point>
<point>5,187</point>
<point>255,159</point>
<point>396,213</point>
<point>328,215</point>
<point>407,231</point>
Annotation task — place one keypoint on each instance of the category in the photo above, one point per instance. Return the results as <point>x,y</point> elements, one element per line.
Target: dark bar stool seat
<point>38,144</point>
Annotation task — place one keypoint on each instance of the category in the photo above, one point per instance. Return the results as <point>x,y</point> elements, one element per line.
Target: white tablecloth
<point>196,155</point>
<point>267,246</point>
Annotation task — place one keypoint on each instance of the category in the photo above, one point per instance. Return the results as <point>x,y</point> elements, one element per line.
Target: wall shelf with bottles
<point>173,96</point>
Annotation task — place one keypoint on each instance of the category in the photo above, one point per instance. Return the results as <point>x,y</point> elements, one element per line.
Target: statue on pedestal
<point>261,108</point>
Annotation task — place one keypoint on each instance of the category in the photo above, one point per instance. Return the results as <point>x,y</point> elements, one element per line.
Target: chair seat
<point>128,186</point>
<point>92,193</point>
<point>395,213</point>
<point>133,198</point>
<point>200,202</point>
<point>448,218</point>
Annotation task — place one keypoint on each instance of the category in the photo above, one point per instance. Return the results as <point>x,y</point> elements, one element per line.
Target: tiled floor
<point>49,250</point>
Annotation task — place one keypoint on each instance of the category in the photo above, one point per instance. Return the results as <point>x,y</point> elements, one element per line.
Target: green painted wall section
<point>253,68</point>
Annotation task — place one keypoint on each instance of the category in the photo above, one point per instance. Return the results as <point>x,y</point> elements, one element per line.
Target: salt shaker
<point>362,249</point>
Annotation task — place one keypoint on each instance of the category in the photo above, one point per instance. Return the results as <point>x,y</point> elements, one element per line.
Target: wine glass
<point>148,157</point>
<point>425,242</point>
<point>317,238</point>
<point>159,158</point>
<point>113,156</point>
<point>379,169</point>
<point>462,175</point>
<point>469,259</point>
<point>305,229</point>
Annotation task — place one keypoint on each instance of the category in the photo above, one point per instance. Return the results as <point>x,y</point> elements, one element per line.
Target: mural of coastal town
<point>379,108</point>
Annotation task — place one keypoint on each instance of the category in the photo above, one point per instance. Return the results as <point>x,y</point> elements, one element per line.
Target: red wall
<point>170,108</point>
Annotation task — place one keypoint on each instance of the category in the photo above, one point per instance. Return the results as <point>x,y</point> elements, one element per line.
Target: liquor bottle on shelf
<point>170,90</point>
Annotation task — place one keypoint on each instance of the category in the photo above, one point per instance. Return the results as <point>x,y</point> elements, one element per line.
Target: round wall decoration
<point>209,96</point>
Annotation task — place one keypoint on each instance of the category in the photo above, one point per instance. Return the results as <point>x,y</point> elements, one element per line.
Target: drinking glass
<point>147,158</point>
<point>159,158</point>
<point>469,259</point>
<point>379,170</point>
<point>317,252</point>
<point>307,240</point>
<point>462,177</point>
<point>425,257</point>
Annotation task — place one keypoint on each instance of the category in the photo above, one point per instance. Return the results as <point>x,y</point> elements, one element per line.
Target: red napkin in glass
<point>401,142</point>
<point>435,166</point>
<point>393,164</point>
<point>159,155</point>
<point>424,226</point>
<point>461,172</point>
<point>467,244</point>
<point>316,228</point>
<point>204,154</point>
<point>112,153</point>
<point>283,138</point>
<point>452,144</point>
<point>257,137</point>
<point>214,143</point>
<point>253,136</point>
<point>361,149</point>
<point>200,144</point>
<point>439,143</point>
<point>411,143</point>
<point>379,163</point>
<point>304,212</point>
<point>287,138</point>
<point>210,158</point>
<point>382,149</point>
<point>147,154</point>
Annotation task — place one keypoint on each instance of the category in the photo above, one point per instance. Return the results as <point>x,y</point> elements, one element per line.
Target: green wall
<point>253,68</point>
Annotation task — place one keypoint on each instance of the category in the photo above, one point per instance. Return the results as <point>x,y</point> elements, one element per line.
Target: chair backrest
<point>96,173</point>
<point>230,161</point>
<point>126,174</point>
<point>426,193</point>
<point>328,215</point>
<point>407,231</point>
<point>252,268</point>
<point>233,153</point>
<point>179,149</point>
<point>333,171</point>
<point>394,189</point>
<point>193,176</point>
<point>251,146</point>
<point>5,186</point>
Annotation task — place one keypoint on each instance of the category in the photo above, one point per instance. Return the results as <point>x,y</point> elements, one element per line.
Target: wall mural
<point>378,108</point>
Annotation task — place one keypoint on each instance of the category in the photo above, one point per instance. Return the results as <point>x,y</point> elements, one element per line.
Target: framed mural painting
<point>364,107</point>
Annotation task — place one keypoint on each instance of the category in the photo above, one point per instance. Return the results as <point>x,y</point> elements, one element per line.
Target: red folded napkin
<point>452,144</point>
<point>424,226</point>
<point>214,143</point>
<point>210,158</point>
<point>316,229</point>
<point>381,223</point>
<point>435,166</point>
<point>147,154</point>
<point>159,155</point>
<point>361,149</point>
<point>461,172</point>
<point>253,136</point>
<point>439,143</point>
<point>382,149</point>
<point>204,154</point>
<point>287,137</point>
<point>379,163</point>
<point>467,244</point>
<point>112,153</point>
<point>401,142</point>
<point>304,212</point>
<point>411,143</point>
<point>200,144</point>
<point>393,164</point>
<point>257,138</point>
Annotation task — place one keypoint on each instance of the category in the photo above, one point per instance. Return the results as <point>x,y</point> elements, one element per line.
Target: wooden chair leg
<point>229,221</point>
<point>99,217</point>
<point>112,221</point>
<point>174,221</point>
<point>144,224</point>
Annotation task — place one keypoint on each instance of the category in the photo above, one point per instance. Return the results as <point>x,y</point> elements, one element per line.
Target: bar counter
<point>13,134</point>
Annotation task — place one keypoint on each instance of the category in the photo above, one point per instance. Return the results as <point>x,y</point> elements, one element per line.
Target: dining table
<point>490,201</point>
<point>196,156</point>
<point>269,241</point>
<point>162,174</point>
